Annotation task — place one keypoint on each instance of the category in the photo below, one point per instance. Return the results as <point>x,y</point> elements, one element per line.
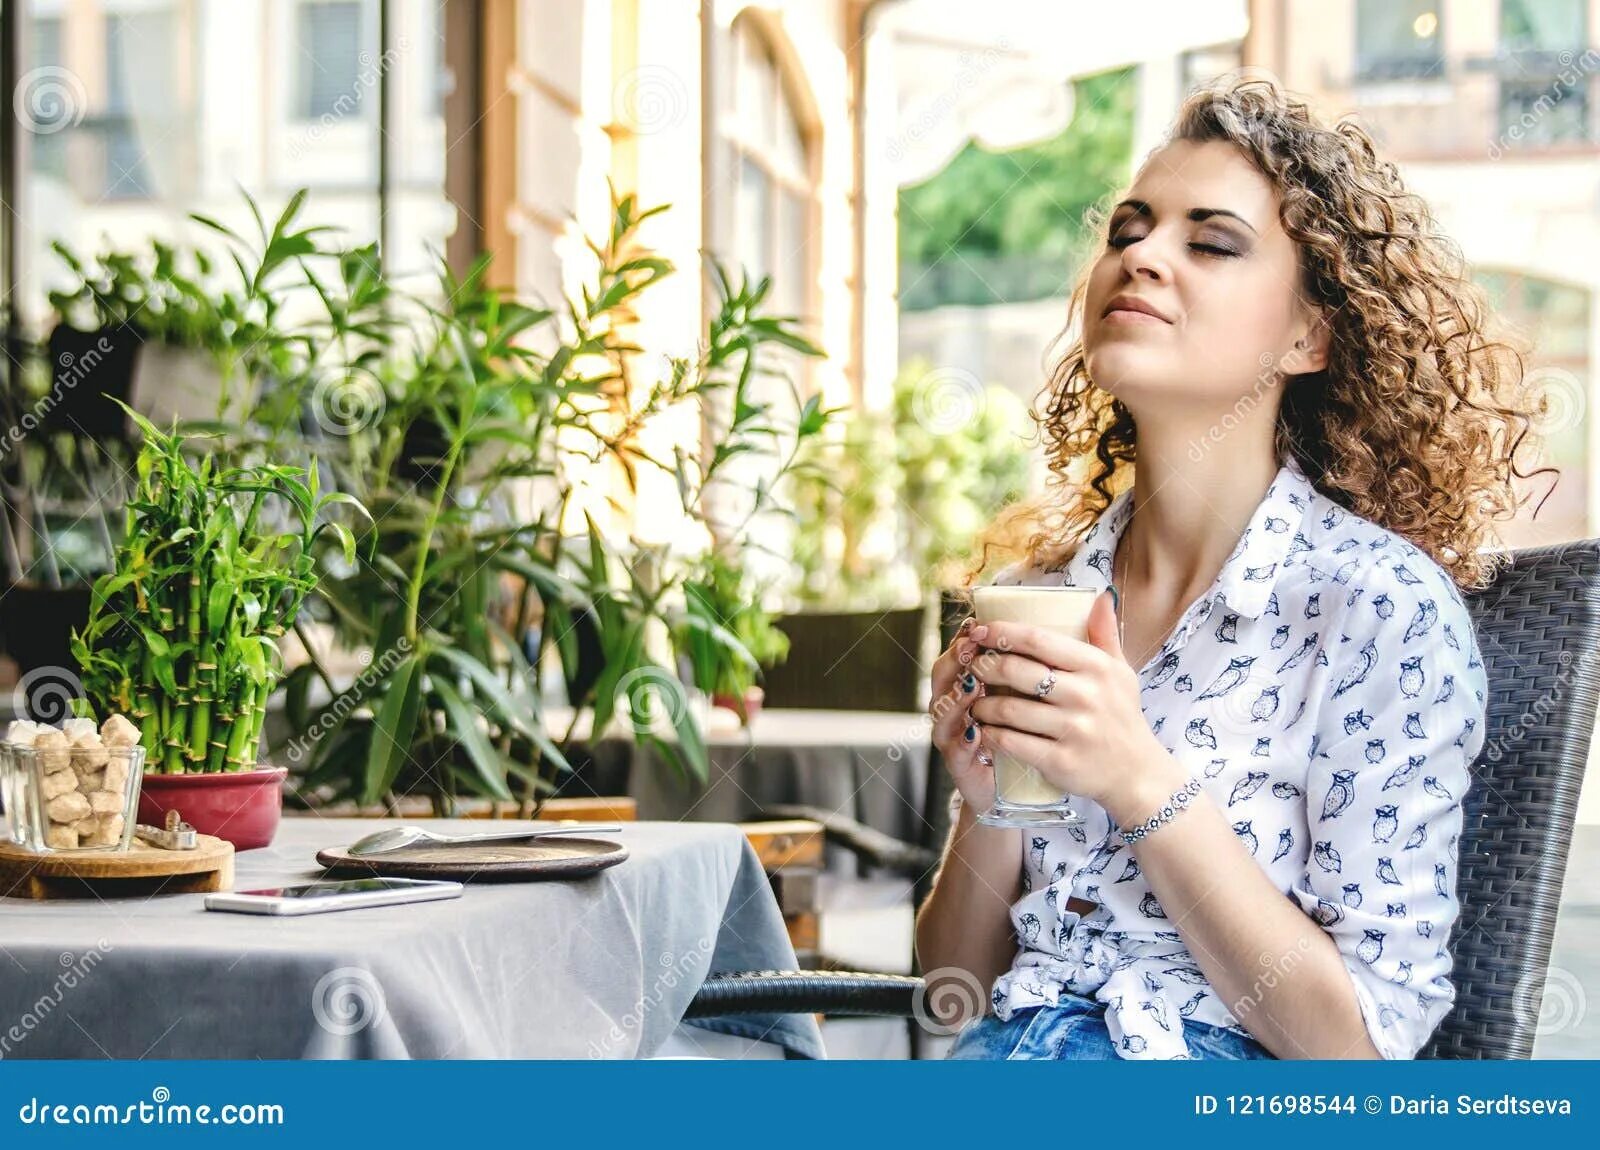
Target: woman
<point>1279,445</point>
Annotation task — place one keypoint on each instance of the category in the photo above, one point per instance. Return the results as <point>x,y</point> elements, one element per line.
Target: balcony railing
<point>1487,104</point>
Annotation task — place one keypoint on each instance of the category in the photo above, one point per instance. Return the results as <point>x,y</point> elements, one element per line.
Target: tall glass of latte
<point>1024,798</point>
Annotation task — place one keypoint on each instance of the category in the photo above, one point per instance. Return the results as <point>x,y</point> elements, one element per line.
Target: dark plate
<point>484,862</point>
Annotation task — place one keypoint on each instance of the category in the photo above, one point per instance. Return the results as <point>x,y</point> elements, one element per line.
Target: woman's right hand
<point>955,688</point>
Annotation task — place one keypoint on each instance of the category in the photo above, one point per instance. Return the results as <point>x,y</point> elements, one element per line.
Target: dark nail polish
<point>970,733</point>
<point>970,683</point>
<point>1116,600</point>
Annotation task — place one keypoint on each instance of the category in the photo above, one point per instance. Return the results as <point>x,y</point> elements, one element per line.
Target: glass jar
<point>71,798</point>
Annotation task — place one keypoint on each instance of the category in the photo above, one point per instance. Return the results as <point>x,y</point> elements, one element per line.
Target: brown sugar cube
<point>60,783</point>
<point>67,808</point>
<point>61,838</point>
<point>117,731</point>
<point>116,776</point>
<point>55,753</point>
<point>108,832</point>
<point>88,784</point>
<point>85,827</point>
<point>106,803</point>
<point>88,753</point>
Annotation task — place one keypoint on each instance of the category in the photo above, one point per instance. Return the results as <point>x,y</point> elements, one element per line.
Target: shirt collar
<point>1248,577</point>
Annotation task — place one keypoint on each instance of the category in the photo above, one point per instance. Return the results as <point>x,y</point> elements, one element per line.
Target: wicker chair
<point>860,661</point>
<point>1538,626</point>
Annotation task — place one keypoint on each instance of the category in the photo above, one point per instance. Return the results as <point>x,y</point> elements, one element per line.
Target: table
<point>870,765</point>
<point>602,967</point>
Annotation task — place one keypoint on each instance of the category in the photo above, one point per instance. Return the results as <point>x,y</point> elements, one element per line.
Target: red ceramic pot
<point>752,701</point>
<point>240,807</point>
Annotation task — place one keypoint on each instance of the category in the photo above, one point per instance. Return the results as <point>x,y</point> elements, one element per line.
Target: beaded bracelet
<point>1179,800</point>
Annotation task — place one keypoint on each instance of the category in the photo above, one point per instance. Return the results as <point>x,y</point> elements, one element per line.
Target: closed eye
<point>1119,242</point>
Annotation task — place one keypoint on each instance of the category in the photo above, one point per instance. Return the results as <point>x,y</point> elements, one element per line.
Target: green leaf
<point>297,695</point>
<point>690,738</point>
<point>464,725</point>
<point>625,657</point>
<point>395,725</point>
<point>486,683</point>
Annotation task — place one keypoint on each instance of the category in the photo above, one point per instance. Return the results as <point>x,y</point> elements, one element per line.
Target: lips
<point>1129,303</point>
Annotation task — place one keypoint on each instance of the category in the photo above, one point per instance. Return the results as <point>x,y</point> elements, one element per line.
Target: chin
<point>1127,372</point>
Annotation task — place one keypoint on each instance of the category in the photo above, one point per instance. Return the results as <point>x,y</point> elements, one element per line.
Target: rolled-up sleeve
<point>1400,723</point>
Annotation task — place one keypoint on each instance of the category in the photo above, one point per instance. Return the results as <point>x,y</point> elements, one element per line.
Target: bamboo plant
<point>210,573</point>
<point>495,400</point>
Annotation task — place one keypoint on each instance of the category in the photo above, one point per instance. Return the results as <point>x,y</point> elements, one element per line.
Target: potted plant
<point>726,637</point>
<point>187,343</point>
<point>492,424</point>
<point>213,565</point>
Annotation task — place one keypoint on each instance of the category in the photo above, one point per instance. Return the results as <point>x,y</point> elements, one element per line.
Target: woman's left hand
<point>1088,735</point>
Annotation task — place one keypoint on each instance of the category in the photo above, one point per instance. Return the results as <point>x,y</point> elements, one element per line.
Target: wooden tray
<point>484,862</point>
<point>140,871</point>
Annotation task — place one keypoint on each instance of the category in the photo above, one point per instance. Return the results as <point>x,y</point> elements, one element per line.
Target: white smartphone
<point>337,894</point>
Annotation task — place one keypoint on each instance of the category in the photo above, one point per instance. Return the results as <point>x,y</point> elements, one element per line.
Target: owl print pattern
<point>1329,694</point>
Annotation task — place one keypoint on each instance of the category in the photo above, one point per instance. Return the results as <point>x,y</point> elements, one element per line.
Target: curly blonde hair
<point>1417,419</point>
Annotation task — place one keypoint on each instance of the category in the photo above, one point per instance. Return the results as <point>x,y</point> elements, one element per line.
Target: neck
<point>1193,498</point>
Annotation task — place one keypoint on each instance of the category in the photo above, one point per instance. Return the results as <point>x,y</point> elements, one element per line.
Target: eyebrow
<point>1198,215</point>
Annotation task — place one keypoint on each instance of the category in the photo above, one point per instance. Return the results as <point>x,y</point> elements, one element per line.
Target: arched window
<point>770,167</point>
<point>763,201</point>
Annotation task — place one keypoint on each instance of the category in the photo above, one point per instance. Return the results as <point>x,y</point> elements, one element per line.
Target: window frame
<point>739,146</point>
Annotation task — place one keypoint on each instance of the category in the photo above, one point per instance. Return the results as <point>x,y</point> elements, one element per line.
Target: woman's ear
<point>1310,352</point>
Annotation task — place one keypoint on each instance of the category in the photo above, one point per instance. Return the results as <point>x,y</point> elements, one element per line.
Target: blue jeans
<point>1076,1028</point>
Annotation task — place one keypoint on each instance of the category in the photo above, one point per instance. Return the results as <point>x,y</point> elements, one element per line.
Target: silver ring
<point>1046,684</point>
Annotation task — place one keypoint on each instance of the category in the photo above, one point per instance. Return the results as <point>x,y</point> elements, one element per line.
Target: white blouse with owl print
<point>1328,693</point>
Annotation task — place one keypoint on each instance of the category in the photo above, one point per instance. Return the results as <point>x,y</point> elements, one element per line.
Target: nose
<point>1147,258</point>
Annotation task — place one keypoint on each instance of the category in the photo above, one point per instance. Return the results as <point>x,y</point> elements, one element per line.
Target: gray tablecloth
<point>599,967</point>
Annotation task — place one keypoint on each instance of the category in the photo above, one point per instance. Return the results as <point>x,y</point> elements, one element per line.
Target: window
<point>139,112</point>
<point>1542,25</point>
<point>772,173</point>
<point>1544,86</point>
<point>769,232</point>
<point>1201,66</point>
<point>134,127</point>
<point>328,58</point>
<point>48,117</point>
<point>1398,40</point>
